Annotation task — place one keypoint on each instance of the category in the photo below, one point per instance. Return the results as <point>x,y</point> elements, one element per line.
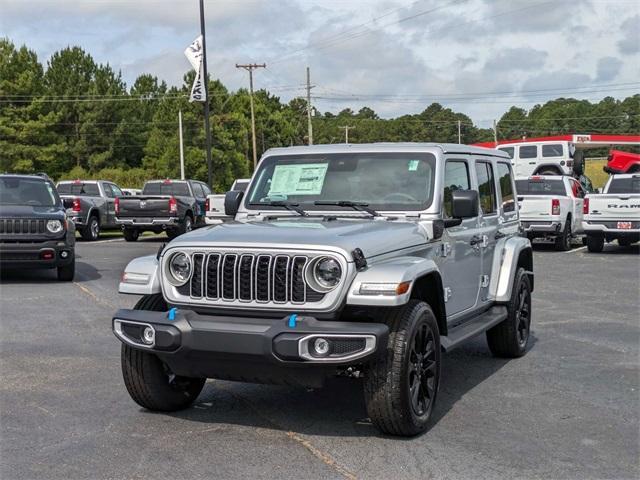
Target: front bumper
<point>47,254</point>
<point>541,227</point>
<point>148,222</point>
<point>250,349</point>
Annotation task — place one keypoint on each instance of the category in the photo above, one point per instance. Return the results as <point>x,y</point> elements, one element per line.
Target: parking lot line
<point>576,250</point>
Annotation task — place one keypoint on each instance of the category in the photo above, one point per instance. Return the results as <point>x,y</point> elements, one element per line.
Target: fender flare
<point>555,166</point>
<point>505,266</point>
<point>396,270</point>
<point>141,276</point>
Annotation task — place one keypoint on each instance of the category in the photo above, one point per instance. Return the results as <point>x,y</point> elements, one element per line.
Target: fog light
<point>321,347</point>
<point>64,254</point>
<point>148,335</point>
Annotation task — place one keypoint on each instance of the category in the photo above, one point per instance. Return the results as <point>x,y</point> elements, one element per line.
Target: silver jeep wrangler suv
<point>355,260</point>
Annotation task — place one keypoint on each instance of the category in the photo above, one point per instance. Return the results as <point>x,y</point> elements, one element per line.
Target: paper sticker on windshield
<point>304,179</point>
<point>413,165</point>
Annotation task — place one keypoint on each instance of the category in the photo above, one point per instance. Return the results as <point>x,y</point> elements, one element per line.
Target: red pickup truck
<point>622,162</point>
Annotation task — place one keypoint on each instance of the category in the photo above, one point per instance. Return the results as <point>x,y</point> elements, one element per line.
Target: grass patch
<point>593,170</point>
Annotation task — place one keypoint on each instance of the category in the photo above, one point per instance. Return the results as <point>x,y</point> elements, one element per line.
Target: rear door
<point>109,213</point>
<point>462,261</point>
<point>577,200</point>
<point>527,160</point>
<point>489,224</point>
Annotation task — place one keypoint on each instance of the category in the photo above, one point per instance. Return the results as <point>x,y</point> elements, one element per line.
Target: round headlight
<point>179,268</point>
<point>54,226</point>
<point>327,273</point>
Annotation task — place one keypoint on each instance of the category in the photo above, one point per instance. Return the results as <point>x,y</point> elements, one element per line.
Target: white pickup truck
<point>214,206</point>
<point>613,214</point>
<point>551,206</point>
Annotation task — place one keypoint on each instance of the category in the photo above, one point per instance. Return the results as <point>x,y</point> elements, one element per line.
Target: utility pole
<point>495,133</point>
<point>459,137</point>
<point>309,124</point>
<point>250,67</point>
<point>205,82</point>
<point>181,145</point>
<point>346,129</point>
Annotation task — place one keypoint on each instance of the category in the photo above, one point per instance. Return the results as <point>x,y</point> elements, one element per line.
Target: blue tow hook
<point>292,320</point>
<point>171,314</point>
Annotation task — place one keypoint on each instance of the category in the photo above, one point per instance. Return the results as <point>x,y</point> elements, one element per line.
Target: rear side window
<point>197,190</point>
<point>166,188</point>
<point>506,188</point>
<point>553,150</point>
<point>486,187</point>
<point>456,177</point>
<point>625,185</point>
<point>87,189</point>
<point>508,150</point>
<point>529,151</point>
<point>540,187</point>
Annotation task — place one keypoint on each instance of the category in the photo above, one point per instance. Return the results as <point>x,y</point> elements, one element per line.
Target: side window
<point>456,177</point>
<point>528,151</point>
<point>506,188</point>
<point>107,190</point>
<point>116,191</point>
<point>508,150</point>
<point>553,150</point>
<point>486,188</point>
<point>205,189</point>
<point>197,190</point>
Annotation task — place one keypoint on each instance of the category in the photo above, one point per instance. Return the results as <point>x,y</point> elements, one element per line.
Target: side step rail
<point>476,326</point>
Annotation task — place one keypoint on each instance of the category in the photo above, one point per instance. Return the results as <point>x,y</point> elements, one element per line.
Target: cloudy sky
<point>396,56</point>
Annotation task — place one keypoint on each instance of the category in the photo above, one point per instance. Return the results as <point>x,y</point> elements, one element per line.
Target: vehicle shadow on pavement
<point>337,409</point>
<point>84,272</point>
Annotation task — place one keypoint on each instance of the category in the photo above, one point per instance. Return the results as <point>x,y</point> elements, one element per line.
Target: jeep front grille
<point>245,277</point>
<point>22,226</point>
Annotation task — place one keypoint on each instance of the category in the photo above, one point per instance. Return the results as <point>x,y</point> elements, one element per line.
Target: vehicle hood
<point>373,237</point>
<point>29,211</point>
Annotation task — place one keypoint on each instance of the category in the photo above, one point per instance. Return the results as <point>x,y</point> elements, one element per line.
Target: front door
<point>462,258</point>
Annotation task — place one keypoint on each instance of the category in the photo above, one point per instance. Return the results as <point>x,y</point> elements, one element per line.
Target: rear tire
<point>624,242</point>
<point>91,232</point>
<point>595,244</point>
<point>130,234</point>
<point>563,241</point>
<point>402,384</point>
<point>149,381</point>
<point>185,227</point>
<point>67,272</point>
<point>509,338</point>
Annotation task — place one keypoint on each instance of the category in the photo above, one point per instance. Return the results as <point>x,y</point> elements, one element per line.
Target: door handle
<point>499,235</point>
<point>475,240</point>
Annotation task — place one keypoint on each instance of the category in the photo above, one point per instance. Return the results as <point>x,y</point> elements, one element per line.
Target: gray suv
<point>364,261</point>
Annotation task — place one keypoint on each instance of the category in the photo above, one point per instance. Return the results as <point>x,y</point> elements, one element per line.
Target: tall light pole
<point>250,67</point>
<point>205,82</point>
<point>309,124</point>
<point>346,129</point>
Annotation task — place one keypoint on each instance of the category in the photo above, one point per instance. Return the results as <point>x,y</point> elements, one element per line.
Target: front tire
<point>509,338</point>
<point>67,272</point>
<point>595,244</point>
<point>149,381</point>
<point>402,384</point>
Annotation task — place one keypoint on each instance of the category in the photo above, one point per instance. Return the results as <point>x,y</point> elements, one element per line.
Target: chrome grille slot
<point>245,278</point>
<point>213,279</point>
<point>228,276</point>
<point>197,277</point>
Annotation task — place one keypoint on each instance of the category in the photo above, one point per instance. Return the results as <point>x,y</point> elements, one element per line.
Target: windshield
<point>178,189</point>
<point>27,191</point>
<point>383,181</point>
<point>79,188</point>
<point>540,187</point>
<point>625,185</point>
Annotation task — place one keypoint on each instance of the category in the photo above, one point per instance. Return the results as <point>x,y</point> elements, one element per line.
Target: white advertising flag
<point>194,54</point>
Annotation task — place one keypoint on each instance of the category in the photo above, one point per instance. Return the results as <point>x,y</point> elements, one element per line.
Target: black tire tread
<point>502,339</point>
<point>563,241</point>
<point>143,373</point>
<point>85,233</point>
<point>67,272</point>
<point>383,398</point>
<point>595,244</point>
<point>130,235</point>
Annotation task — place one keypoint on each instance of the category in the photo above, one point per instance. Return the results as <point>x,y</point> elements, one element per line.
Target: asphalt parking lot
<point>568,409</point>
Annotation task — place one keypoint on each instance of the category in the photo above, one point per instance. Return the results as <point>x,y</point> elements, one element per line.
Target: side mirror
<point>465,203</point>
<point>232,200</point>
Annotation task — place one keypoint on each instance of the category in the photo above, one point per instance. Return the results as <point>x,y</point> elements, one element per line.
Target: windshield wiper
<point>294,207</point>
<point>361,207</point>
